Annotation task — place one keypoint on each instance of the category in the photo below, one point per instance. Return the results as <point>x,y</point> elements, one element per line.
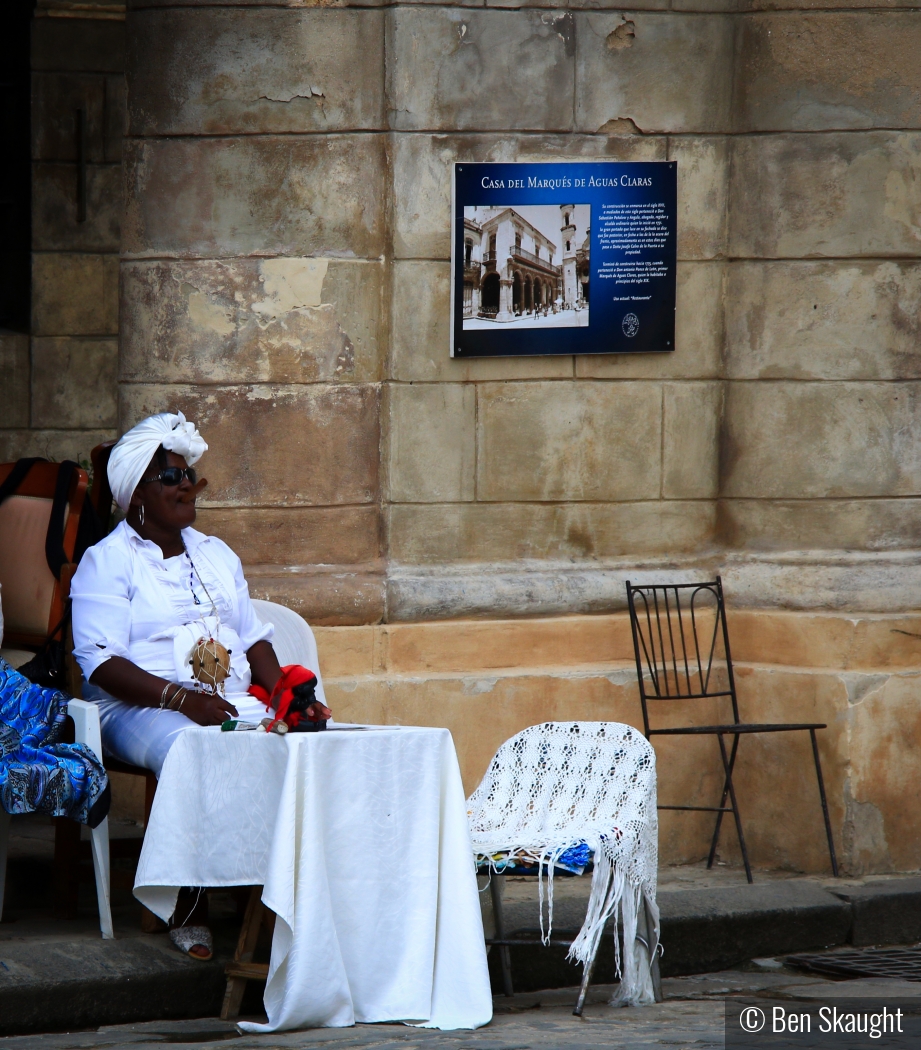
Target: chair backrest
<point>294,642</point>
<point>101,494</point>
<point>33,599</point>
<point>681,643</point>
<point>558,776</point>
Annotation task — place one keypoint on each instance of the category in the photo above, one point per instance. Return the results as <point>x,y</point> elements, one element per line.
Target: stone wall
<point>285,274</point>
<point>58,397</point>
<point>284,280</point>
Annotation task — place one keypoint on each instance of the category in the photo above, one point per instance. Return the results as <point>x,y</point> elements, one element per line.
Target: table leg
<point>243,968</point>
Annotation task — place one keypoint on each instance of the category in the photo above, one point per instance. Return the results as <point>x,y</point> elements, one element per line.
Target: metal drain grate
<point>903,963</point>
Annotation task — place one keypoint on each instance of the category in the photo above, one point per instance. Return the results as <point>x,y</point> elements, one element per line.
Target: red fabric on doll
<point>282,695</point>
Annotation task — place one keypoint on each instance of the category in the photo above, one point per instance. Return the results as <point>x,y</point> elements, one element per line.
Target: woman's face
<point>163,504</point>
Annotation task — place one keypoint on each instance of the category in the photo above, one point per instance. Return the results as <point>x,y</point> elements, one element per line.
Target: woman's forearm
<point>126,681</point>
<point>263,665</point>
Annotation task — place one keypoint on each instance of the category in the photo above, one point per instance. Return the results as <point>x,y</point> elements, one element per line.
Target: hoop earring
<point>141,514</point>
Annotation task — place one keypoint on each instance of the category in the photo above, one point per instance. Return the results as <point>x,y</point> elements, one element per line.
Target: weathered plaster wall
<point>58,394</point>
<point>285,273</point>
<point>284,276</point>
<point>858,674</point>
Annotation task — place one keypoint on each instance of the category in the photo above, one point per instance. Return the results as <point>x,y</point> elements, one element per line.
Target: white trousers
<point>142,736</point>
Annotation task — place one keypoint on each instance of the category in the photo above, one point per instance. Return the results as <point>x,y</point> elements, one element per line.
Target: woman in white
<point>146,596</point>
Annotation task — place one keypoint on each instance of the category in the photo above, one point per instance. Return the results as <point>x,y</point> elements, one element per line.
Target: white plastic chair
<point>552,787</point>
<point>294,642</point>
<point>86,731</point>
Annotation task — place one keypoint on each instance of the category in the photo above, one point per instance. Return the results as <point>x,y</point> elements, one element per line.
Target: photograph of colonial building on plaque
<point>526,266</point>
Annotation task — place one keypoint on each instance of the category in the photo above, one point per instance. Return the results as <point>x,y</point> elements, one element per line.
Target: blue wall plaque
<point>563,259</point>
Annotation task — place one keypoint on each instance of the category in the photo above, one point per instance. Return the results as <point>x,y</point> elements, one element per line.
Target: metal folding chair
<point>677,630</point>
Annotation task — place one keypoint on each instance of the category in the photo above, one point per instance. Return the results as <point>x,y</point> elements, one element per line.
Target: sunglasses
<point>172,476</point>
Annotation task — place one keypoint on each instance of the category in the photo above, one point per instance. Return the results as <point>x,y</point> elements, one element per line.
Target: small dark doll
<point>294,692</point>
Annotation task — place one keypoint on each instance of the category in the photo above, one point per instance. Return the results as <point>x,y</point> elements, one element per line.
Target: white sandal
<point>188,937</point>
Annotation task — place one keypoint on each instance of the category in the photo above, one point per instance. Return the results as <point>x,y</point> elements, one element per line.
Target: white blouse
<point>130,601</point>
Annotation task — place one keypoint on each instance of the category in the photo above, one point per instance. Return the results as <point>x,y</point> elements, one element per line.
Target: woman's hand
<point>206,709</point>
<point>318,712</point>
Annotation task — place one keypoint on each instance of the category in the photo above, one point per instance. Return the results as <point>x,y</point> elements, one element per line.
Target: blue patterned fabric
<point>36,773</point>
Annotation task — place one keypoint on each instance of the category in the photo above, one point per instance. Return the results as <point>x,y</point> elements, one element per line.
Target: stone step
<point>63,977</point>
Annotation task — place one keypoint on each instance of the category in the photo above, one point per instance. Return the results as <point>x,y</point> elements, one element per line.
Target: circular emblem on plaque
<point>630,324</point>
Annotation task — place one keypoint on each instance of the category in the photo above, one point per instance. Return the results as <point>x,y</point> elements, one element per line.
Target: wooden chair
<point>34,601</point>
<point>681,645</point>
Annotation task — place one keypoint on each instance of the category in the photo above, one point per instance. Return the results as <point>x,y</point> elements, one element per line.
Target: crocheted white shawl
<point>559,784</point>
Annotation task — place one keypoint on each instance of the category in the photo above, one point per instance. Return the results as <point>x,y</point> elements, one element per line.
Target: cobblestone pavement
<point>691,1018</point>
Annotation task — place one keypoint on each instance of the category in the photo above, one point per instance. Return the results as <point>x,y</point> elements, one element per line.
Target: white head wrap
<point>132,455</point>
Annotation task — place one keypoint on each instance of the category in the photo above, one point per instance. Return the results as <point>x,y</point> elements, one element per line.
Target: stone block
<point>74,294</point>
<point>690,449</point>
<point>482,532</point>
<point>421,334</point>
<point>293,4</point>
<point>55,445</point>
<point>116,117</point>
<point>698,334</point>
<point>521,63</point>
<point>297,536</point>
<point>272,195</point>
<point>56,97</point>
<point>625,69</point>
<point>79,44</point>
<point>14,367</point>
<point>880,830</point>
<point>282,446</point>
<point>431,442</point>
<point>864,645</point>
<point>802,440</point>
<point>472,646</point>
<point>346,650</point>
<point>331,597</point>
<point>831,195</point>
<point>703,195</point>
<point>820,71</point>
<point>580,440</point>
<point>220,71</point>
<point>74,382</point>
<point>253,320</point>
<point>54,208</point>
<point>818,5</point>
<point>820,524</point>
<point>823,320</point>
<point>422,164</point>
<point>422,172</point>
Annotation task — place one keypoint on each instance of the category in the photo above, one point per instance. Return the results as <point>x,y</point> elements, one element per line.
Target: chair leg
<point>246,945</point>
<point>5,821</point>
<point>586,981</point>
<point>66,867</point>
<point>818,773</point>
<point>646,928</point>
<point>505,955</point>
<point>735,807</point>
<point>719,816</point>
<point>100,838</point>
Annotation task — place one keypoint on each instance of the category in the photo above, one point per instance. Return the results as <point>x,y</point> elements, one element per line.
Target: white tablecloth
<point>361,843</point>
